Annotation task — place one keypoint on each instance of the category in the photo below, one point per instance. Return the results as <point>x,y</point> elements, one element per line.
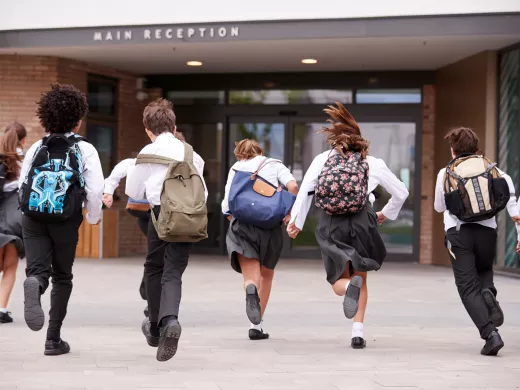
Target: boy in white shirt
<point>472,248</point>
<point>51,247</point>
<point>165,261</point>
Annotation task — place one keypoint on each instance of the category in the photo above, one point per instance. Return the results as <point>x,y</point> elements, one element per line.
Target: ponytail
<point>14,134</point>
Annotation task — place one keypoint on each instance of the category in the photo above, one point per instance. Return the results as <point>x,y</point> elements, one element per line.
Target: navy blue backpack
<point>255,201</point>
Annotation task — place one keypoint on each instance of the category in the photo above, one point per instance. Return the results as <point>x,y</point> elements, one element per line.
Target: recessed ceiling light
<point>194,63</point>
<point>309,61</point>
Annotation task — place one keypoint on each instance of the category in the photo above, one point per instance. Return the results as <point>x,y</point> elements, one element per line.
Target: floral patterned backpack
<point>343,184</point>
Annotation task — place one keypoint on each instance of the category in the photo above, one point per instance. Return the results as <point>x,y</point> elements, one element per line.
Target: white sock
<point>357,329</point>
<point>346,286</point>
<point>3,310</point>
<point>259,327</point>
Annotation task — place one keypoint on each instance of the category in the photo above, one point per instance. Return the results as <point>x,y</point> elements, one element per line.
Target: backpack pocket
<point>176,226</point>
<point>454,203</point>
<point>500,192</point>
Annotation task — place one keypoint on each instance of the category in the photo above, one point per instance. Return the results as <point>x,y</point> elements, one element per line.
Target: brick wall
<point>427,175</point>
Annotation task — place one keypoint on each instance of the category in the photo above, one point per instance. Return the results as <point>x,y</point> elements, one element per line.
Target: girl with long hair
<point>350,242</point>
<point>11,244</point>
<point>254,252</point>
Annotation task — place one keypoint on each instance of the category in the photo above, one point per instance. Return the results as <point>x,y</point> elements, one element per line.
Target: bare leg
<point>363,298</point>
<point>252,277</point>
<point>10,263</point>
<point>250,271</point>
<point>1,259</point>
<point>266,282</point>
<point>340,286</point>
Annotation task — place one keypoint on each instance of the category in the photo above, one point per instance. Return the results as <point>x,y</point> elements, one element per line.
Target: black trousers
<point>50,251</point>
<point>143,218</point>
<point>165,264</point>
<point>472,252</point>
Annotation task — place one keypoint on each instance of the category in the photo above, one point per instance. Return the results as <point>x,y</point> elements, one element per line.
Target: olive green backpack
<point>183,216</point>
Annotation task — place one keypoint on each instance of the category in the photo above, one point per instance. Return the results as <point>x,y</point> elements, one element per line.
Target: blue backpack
<point>255,201</point>
<point>54,188</point>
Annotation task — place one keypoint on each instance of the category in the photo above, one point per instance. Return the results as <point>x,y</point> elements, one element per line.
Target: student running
<point>140,209</point>
<point>59,173</point>
<point>255,251</point>
<point>169,175</point>
<point>347,231</point>
<point>11,243</point>
<point>470,191</point>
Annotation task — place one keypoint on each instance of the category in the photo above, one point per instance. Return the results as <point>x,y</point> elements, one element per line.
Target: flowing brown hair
<point>343,133</point>
<point>14,134</point>
<point>247,149</point>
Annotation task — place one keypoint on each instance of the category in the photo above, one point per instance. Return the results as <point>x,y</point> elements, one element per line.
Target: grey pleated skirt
<point>350,240</point>
<point>253,242</point>
<point>11,223</point>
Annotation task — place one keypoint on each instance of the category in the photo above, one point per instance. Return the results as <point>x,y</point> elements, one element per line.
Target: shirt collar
<point>165,135</point>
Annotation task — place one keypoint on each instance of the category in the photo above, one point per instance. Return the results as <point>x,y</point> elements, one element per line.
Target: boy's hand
<point>108,200</point>
<point>293,231</point>
<point>518,247</point>
<point>380,217</point>
<point>98,222</point>
<point>516,219</point>
<point>287,219</point>
<point>229,218</point>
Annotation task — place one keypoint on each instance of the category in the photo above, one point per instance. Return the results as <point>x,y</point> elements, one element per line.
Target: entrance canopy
<point>414,43</point>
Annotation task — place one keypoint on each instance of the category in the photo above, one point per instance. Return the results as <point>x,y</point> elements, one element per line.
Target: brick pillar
<point>427,175</point>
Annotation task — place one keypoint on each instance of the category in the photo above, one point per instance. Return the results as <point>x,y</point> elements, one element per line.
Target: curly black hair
<point>61,108</point>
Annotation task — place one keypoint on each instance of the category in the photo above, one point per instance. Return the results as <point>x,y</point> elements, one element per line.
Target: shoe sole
<point>258,338</point>
<point>350,302</point>
<point>495,311</point>
<point>143,329</point>
<point>253,314</point>
<point>33,312</point>
<point>169,342</point>
<point>494,350</point>
<point>355,346</point>
<point>56,353</point>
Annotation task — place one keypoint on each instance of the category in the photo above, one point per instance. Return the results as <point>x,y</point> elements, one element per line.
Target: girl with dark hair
<point>11,244</point>
<point>343,180</point>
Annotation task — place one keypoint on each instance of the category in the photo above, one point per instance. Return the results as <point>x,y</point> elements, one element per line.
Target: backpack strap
<point>153,159</point>
<point>262,165</point>
<point>188,153</point>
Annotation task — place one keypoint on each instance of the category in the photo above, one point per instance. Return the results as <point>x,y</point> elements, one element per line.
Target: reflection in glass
<point>102,137</point>
<point>206,140</point>
<point>388,96</point>
<point>270,136</point>
<point>101,96</point>
<point>187,98</point>
<point>279,96</point>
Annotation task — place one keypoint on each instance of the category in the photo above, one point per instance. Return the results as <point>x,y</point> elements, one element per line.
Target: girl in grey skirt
<point>254,251</point>
<point>11,244</point>
<point>350,243</point>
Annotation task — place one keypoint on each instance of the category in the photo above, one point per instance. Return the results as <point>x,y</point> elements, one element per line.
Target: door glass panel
<point>395,144</point>
<point>206,140</point>
<point>270,136</point>
<point>290,96</point>
<point>388,96</point>
<point>102,137</point>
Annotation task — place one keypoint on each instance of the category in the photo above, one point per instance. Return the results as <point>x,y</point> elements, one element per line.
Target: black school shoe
<point>33,313</point>
<point>255,334</point>
<point>169,340</point>
<point>495,311</point>
<point>358,343</point>
<point>493,344</point>
<point>350,302</point>
<point>152,341</point>
<point>55,348</point>
<point>5,318</point>
<point>253,305</point>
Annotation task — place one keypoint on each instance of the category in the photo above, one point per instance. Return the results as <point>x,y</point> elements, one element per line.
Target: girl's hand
<point>293,231</point>
<point>287,219</point>
<point>518,247</point>
<point>108,200</point>
<point>380,217</point>
<point>516,219</point>
<point>229,218</point>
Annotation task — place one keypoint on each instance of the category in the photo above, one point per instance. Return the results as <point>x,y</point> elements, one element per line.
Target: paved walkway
<point>418,335</point>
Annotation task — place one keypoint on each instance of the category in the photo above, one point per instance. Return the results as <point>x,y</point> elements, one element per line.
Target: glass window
<point>286,96</point>
<point>101,96</point>
<point>206,140</point>
<point>102,137</point>
<point>187,98</point>
<point>270,136</point>
<point>388,96</point>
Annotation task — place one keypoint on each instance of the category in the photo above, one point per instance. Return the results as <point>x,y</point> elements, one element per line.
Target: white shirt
<point>118,173</point>
<point>378,174</point>
<point>13,184</point>
<point>149,178</point>
<point>451,221</point>
<point>91,171</point>
<point>275,173</point>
